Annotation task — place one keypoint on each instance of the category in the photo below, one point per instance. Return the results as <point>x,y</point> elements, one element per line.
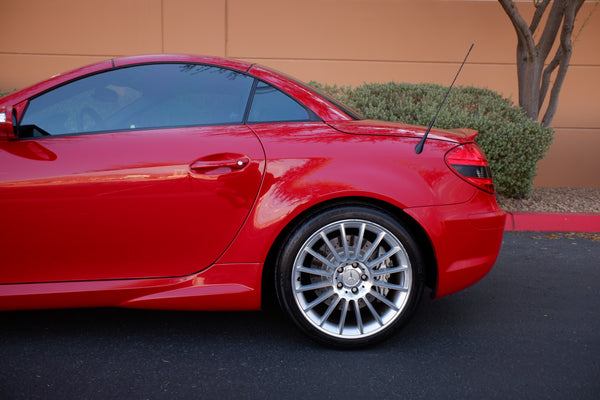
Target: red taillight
<point>469,162</point>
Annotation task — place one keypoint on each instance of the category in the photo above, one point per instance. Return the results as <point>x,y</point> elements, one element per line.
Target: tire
<point>349,276</point>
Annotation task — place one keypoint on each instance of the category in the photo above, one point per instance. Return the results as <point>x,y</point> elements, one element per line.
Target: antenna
<point>419,147</point>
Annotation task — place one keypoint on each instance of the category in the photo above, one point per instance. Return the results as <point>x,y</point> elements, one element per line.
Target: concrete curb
<point>552,222</point>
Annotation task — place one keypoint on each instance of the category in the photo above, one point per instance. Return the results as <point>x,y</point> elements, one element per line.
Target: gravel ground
<point>578,200</point>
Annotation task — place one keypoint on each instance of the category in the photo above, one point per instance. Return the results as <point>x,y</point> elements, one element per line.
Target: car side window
<point>272,105</point>
<point>140,97</point>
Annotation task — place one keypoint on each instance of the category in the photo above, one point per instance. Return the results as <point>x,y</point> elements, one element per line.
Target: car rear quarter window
<point>140,97</point>
<point>271,105</point>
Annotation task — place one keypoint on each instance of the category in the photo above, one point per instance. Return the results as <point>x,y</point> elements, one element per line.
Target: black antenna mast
<point>419,147</point>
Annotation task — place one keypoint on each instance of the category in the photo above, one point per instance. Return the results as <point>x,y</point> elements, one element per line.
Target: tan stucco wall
<point>346,42</point>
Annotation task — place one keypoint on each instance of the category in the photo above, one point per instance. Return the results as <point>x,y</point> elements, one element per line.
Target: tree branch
<point>546,77</point>
<point>520,25</point>
<point>566,49</point>
<point>539,12</point>
<point>534,78</point>
<point>551,28</point>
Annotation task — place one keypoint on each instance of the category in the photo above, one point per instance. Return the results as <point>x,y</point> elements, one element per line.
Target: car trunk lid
<point>400,129</point>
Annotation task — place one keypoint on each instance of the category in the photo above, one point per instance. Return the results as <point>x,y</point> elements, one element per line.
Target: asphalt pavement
<point>529,330</point>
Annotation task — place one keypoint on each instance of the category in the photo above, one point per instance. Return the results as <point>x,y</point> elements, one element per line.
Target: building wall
<point>346,42</point>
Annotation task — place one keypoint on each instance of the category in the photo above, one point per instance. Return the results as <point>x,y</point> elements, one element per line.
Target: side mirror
<point>8,119</point>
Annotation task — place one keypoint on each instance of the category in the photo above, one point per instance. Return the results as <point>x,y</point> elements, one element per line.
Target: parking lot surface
<point>530,329</point>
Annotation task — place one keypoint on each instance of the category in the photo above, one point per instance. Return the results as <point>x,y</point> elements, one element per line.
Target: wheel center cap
<point>351,277</point>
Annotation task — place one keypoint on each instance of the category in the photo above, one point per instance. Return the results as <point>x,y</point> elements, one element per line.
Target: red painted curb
<point>552,222</point>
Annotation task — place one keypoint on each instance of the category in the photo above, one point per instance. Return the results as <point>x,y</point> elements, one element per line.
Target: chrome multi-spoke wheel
<point>351,276</point>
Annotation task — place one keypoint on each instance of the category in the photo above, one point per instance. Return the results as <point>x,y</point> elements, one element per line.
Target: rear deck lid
<point>383,128</point>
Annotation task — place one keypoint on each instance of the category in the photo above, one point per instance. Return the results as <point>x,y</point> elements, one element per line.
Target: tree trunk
<point>533,79</point>
<point>528,70</point>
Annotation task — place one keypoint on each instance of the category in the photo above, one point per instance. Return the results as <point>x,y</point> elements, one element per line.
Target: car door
<point>144,171</point>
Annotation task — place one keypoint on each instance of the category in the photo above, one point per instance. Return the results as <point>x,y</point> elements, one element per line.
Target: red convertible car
<point>204,183</point>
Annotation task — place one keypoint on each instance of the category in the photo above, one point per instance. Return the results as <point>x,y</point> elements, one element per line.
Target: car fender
<point>381,169</point>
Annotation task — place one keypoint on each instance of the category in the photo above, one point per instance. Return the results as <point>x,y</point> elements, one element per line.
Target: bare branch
<point>534,78</point>
<point>523,32</point>
<point>551,28</point>
<point>546,77</point>
<point>566,49</point>
<point>540,8</point>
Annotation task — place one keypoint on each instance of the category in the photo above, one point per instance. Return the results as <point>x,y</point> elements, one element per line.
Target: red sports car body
<point>200,183</point>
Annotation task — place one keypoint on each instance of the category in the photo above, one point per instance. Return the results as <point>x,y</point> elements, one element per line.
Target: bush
<point>512,142</point>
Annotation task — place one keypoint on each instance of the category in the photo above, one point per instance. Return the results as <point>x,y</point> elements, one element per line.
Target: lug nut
<point>364,277</point>
<point>354,290</point>
<point>340,269</point>
<point>340,285</point>
<point>355,264</point>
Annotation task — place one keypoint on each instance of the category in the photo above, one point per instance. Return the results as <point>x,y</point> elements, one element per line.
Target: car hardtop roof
<point>238,65</point>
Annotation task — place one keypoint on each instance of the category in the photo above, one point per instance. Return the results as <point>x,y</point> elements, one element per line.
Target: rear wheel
<point>349,276</point>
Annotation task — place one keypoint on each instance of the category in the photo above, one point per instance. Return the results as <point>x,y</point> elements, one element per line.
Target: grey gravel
<point>576,200</point>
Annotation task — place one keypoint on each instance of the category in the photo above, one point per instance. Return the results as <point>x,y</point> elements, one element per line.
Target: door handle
<point>237,163</point>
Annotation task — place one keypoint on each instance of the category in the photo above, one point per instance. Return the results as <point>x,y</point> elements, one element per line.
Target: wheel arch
<point>429,272</point>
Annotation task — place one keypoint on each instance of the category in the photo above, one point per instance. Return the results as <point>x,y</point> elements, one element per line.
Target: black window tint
<point>145,96</point>
<point>272,105</point>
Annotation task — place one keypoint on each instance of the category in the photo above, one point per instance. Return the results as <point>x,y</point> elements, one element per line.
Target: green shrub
<point>512,142</point>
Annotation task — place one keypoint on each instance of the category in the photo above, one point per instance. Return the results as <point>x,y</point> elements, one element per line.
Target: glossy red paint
<point>466,238</point>
<point>237,65</point>
<point>220,287</point>
<point>122,211</point>
<point>185,217</point>
<point>311,170</point>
